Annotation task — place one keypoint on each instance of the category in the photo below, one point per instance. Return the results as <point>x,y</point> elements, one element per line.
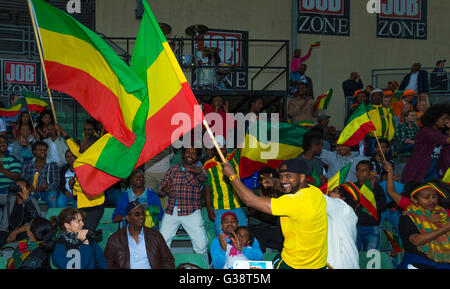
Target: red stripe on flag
<point>9,113</point>
<point>81,86</point>
<point>159,131</point>
<point>358,135</point>
<point>247,167</point>
<point>35,107</point>
<point>159,128</point>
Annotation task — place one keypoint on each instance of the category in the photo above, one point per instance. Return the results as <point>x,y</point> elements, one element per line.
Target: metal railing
<point>231,76</point>
<point>17,40</point>
<point>439,82</point>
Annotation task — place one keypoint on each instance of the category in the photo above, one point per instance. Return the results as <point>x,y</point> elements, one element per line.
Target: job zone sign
<point>328,17</point>
<point>405,19</point>
<point>19,72</point>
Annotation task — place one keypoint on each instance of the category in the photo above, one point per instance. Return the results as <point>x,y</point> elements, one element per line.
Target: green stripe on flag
<point>53,19</point>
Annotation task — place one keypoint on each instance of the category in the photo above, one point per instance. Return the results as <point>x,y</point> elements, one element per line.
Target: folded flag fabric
<point>315,44</point>
<point>336,180</point>
<point>305,123</point>
<point>357,127</point>
<point>367,198</point>
<point>268,144</point>
<point>81,64</point>
<point>12,111</point>
<point>168,111</point>
<point>394,242</point>
<point>34,102</point>
<point>324,99</point>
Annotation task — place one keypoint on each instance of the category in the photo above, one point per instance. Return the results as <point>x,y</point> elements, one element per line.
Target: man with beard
<point>136,246</point>
<point>183,185</point>
<point>229,224</point>
<point>303,216</point>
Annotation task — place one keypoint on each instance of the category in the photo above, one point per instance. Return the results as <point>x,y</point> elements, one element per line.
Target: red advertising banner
<point>19,72</point>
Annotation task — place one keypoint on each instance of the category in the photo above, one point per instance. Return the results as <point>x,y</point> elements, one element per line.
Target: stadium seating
<point>196,259</point>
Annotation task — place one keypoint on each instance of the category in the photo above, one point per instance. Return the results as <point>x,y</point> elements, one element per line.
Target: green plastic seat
<point>268,256</point>
<point>3,262</point>
<point>53,212</point>
<point>196,259</point>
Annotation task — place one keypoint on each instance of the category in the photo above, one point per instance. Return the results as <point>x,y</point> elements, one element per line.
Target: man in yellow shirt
<point>302,211</point>
<point>93,207</point>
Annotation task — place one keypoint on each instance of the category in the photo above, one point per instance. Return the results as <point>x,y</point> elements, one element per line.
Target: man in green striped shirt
<point>219,194</point>
<point>10,166</point>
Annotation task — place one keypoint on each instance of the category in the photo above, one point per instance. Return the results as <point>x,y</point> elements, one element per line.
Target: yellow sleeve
<point>73,147</point>
<point>284,206</point>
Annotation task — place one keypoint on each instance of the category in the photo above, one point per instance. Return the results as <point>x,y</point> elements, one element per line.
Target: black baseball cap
<point>296,166</point>
<point>440,61</point>
<point>134,204</point>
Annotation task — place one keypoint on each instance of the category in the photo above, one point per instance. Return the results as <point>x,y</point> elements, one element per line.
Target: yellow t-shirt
<point>83,201</point>
<point>304,222</point>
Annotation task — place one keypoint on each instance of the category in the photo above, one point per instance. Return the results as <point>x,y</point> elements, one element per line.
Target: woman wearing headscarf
<point>35,250</point>
<point>425,229</point>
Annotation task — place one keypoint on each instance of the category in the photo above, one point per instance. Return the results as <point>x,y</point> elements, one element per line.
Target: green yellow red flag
<point>168,111</point>
<point>357,127</point>
<point>34,102</point>
<point>268,144</point>
<point>336,180</point>
<point>323,100</point>
<point>11,111</point>
<point>81,64</point>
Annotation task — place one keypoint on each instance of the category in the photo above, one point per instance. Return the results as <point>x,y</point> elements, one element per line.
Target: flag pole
<point>384,158</point>
<point>38,43</point>
<point>208,129</point>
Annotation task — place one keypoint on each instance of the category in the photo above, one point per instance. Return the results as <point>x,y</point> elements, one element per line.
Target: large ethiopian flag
<point>80,63</point>
<point>168,111</point>
<point>268,144</point>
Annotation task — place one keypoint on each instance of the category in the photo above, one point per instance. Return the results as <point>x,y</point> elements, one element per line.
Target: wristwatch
<point>232,177</point>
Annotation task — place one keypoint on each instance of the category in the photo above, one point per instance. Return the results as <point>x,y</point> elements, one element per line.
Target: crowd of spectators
<point>252,217</point>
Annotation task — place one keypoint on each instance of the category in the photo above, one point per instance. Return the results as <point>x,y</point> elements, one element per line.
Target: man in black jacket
<point>349,86</point>
<point>417,80</point>
<point>136,246</point>
<point>439,77</point>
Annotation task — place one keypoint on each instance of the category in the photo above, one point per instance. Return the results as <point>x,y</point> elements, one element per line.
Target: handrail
<point>270,60</point>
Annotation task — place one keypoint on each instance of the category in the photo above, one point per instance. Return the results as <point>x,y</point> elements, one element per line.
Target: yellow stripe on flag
<point>369,195</point>
<point>91,156</point>
<point>163,83</point>
<point>81,55</point>
<point>255,150</point>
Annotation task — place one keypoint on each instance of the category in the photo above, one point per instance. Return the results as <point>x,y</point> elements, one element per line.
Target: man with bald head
<point>302,211</point>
